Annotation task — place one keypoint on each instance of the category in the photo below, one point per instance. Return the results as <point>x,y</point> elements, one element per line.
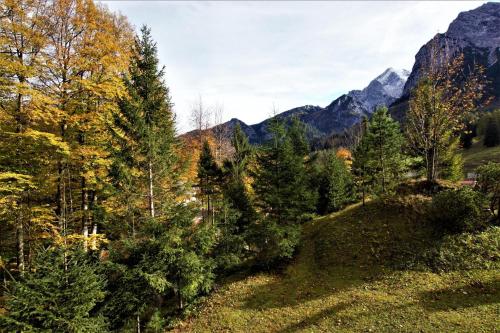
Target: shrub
<point>488,183</point>
<point>459,210</point>
<point>466,251</point>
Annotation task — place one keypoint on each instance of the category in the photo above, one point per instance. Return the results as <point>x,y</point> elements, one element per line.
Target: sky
<point>253,57</point>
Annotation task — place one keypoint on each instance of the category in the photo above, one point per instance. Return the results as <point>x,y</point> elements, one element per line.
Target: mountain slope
<point>345,279</point>
<point>342,113</point>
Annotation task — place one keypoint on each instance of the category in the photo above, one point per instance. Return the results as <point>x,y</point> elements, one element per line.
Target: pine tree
<point>144,129</point>
<point>492,133</point>
<point>209,180</point>
<point>360,168</point>
<point>297,134</point>
<point>167,263</point>
<point>339,184</point>
<point>235,190</point>
<point>60,294</point>
<point>383,150</point>
<point>282,195</point>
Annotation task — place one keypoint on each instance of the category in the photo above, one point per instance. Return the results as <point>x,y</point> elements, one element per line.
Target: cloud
<point>249,55</point>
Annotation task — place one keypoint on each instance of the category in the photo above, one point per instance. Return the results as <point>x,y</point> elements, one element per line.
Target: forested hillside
<point>112,222</point>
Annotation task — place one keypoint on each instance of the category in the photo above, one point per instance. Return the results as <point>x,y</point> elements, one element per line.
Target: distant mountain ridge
<point>342,113</point>
<point>475,33</point>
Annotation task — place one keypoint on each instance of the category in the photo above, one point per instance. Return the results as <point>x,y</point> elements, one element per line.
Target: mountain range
<point>475,33</point>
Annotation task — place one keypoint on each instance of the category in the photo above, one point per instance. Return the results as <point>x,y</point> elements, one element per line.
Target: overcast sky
<point>249,56</point>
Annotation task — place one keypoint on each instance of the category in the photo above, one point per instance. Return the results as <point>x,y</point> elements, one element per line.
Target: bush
<point>466,251</point>
<point>459,210</point>
<point>488,183</point>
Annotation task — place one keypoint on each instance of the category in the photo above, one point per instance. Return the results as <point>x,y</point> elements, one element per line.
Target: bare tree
<point>200,118</point>
<point>221,133</point>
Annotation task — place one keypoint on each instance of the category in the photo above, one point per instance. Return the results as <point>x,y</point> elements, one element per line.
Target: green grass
<point>478,155</point>
<point>356,272</point>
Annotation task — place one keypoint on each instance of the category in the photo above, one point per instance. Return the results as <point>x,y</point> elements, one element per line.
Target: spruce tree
<point>339,183</point>
<point>209,180</point>
<point>60,294</point>
<point>235,190</point>
<point>492,133</point>
<point>360,168</point>
<point>384,158</point>
<point>282,195</point>
<point>144,128</point>
<point>297,134</point>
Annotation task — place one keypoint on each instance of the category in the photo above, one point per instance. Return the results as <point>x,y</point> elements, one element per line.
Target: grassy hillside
<point>478,155</point>
<point>356,272</point>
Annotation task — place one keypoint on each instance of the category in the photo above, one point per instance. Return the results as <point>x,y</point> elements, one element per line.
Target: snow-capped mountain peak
<point>383,90</point>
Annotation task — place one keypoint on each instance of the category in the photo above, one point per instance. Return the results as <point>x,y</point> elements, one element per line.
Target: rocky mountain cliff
<point>476,34</point>
<point>342,113</point>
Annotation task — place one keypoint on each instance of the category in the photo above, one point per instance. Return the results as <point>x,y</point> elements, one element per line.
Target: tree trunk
<point>93,245</point>
<point>20,245</point>
<point>85,237</point>
<point>431,165</point>
<point>150,192</point>
<point>138,324</point>
<point>85,208</point>
<point>363,186</point>
<point>180,303</point>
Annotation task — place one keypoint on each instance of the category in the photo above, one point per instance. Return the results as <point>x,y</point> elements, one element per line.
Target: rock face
<point>342,113</point>
<point>385,89</point>
<point>476,33</point>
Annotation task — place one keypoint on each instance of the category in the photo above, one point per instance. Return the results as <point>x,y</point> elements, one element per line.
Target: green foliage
<point>282,195</point>
<point>297,134</point>
<point>489,128</point>
<point>335,185</point>
<point>231,245</point>
<point>466,251</point>
<point>143,130</point>
<point>60,294</point>
<point>379,159</point>
<point>492,133</point>
<point>459,210</point>
<point>210,179</point>
<point>235,191</point>
<point>169,260</point>
<point>280,180</point>
<point>452,163</point>
<point>488,183</point>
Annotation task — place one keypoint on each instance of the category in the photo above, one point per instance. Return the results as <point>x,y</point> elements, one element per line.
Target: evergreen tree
<point>360,167</point>
<point>209,177</point>
<point>235,190</point>
<point>339,183</point>
<point>167,263</point>
<point>382,147</point>
<point>60,294</point>
<point>492,133</point>
<point>281,195</point>
<point>144,129</point>
<point>297,134</point>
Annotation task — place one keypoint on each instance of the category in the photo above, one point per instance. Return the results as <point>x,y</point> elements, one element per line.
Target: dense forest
<point>112,221</point>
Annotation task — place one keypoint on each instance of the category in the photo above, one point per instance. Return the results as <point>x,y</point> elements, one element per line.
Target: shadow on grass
<point>471,295</point>
<point>313,320</point>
